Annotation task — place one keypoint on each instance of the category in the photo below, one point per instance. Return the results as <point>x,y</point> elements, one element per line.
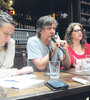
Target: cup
<point>54,69</point>
<point>84,65</point>
<point>88,61</point>
<point>78,65</point>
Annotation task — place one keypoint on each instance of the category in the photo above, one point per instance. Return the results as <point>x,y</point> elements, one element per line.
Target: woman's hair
<point>45,21</point>
<point>6,18</point>
<point>69,31</point>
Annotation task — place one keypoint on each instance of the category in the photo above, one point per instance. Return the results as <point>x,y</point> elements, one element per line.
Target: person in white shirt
<point>7,44</point>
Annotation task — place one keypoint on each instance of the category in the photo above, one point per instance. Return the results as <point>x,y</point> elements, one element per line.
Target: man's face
<point>47,33</point>
<point>6,32</point>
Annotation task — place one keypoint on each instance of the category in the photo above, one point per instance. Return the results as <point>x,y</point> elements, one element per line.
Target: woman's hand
<point>25,70</point>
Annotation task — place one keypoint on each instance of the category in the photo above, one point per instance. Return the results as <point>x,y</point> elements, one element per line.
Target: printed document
<point>20,81</point>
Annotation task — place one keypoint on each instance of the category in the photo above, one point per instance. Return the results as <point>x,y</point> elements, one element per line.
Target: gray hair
<point>45,21</point>
<point>6,18</point>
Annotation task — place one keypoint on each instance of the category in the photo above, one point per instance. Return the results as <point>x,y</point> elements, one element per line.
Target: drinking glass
<point>54,69</point>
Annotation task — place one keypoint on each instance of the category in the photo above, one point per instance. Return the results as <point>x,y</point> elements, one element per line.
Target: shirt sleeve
<point>33,50</point>
<point>87,48</point>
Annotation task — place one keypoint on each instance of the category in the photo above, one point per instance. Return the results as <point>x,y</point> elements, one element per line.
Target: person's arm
<point>41,63</point>
<point>67,62</point>
<point>34,51</point>
<point>35,55</point>
<point>24,70</point>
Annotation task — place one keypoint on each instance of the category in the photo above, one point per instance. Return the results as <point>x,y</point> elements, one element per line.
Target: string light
<point>53,15</point>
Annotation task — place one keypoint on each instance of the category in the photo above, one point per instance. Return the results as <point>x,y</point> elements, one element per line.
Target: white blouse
<point>7,56</point>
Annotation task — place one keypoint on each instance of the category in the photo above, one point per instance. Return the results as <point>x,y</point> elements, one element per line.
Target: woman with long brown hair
<point>77,45</point>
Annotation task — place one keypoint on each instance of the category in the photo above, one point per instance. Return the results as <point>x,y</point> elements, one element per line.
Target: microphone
<point>55,40</point>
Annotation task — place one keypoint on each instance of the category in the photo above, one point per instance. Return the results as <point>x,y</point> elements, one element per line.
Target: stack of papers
<point>20,81</point>
<point>7,72</point>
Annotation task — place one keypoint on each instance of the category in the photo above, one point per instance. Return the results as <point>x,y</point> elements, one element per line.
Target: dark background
<point>39,8</point>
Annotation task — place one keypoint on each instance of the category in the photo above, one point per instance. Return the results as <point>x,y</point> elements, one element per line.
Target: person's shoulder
<point>32,39</point>
<point>87,44</point>
<point>11,41</point>
<point>68,46</point>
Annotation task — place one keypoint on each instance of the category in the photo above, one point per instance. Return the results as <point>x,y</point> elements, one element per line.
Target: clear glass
<point>84,65</point>
<point>78,65</point>
<point>88,61</point>
<point>54,69</point>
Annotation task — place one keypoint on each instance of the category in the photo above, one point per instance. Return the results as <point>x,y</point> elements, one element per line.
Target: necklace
<point>78,50</point>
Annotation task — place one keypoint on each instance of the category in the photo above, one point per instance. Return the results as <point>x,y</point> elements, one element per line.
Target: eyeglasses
<point>78,30</point>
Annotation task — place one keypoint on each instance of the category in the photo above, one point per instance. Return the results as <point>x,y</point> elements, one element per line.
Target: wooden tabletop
<point>40,91</point>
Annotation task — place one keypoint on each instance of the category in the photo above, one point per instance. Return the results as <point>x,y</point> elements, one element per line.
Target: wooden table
<point>41,92</point>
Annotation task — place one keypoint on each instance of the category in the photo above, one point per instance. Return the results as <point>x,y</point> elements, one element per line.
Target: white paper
<point>7,72</point>
<point>20,81</point>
